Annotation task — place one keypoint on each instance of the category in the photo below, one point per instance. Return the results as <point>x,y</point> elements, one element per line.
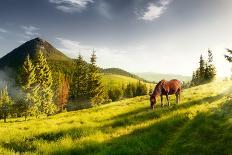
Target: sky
<point>161,36</point>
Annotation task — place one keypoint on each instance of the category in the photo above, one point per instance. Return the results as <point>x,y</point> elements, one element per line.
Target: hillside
<point>118,71</point>
<point>158,76</point>
<point>200,124</point>
<point>115,80</point>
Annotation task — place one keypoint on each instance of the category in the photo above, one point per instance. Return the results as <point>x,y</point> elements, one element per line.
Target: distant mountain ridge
<point>158,76</point>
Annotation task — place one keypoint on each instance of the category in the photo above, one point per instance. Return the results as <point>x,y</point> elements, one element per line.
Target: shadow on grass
<point>204,134</point>
<point>140,141</point>
<point>142,114</point>
<point>207,133</point>
<point>26,145</point>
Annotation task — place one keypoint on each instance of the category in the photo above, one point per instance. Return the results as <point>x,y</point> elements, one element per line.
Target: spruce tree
<point>29,87</point>
<point>44,80</point>
<point>96,91</point>
<point>210,69</point>
<point>78,88</point>
<point>201,69</point>
<point>5,103</point>
<point>128,91</point>
<point>193,82</point>
<point>229,55</point>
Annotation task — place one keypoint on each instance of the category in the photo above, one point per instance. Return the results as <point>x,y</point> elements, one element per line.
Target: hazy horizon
<point>158,36</point>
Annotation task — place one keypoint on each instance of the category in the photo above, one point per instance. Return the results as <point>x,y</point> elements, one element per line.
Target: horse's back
<point>174,86</point>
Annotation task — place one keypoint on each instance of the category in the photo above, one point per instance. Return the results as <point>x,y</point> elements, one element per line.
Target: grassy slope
<point>114,81</point>
<point>201,124</point>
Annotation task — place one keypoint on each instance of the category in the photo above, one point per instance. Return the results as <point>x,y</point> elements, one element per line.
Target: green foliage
<point>5,103</point>
<point>229,55</point>
<point>44,81</point>
<point>115,94</point>
<point>95,88</point>
<point>78,88</point>
<point>29,102</point>
<point>206,71</point>
<point>200,124</point>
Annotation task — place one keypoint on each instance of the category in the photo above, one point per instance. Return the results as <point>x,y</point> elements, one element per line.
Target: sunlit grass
<point>201,122</point>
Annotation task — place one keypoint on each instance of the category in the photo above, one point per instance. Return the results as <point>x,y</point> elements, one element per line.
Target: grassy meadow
<point>200,124</point>
<point>111,81</point>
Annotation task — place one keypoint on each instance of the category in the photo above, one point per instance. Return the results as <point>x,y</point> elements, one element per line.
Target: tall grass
<point>201,124</point>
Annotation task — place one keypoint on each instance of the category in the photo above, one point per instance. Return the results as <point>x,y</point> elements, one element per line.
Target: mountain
<point>118,71</point>
<point>157,76</point>
<point>15,58</point>
<point>56,59</point>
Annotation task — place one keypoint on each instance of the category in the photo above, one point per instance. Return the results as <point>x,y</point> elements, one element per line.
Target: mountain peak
<point>38,39</point>
<point>16,57</point>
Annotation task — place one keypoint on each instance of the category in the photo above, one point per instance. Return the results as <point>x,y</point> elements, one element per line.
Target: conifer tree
<point>229,55</point>
<point>5,103</point>
<point>201,69</point>
<point>96,91</point>
<point>78,88</point>
<point>44,80</point>
<point>210,69</point>
<point>193,82</point>
<point>29,87</point>
<point>128,91</point>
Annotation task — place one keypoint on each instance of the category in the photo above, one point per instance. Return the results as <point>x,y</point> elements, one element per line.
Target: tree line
<point>206,72</point>
<point>128,91</point>
<point>44,91</point>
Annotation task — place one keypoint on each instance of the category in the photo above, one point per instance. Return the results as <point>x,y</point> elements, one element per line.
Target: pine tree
<point>78,88</point>
<point>5,103</point>
<point>96,90</point>
<point>210,69</point>
<point>29,87</point>
<point>128,91</point>
<point>193,82</point>
<point>141,89</point>
<point>201,69</point>
<point>44,80</point>
<point>229,55</point>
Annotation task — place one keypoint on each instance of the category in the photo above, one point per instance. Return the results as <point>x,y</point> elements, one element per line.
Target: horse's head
<point>152,101</point>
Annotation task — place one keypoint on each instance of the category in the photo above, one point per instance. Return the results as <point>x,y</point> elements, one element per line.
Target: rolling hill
<point>158,76</point>
<point>200,124</point>
<point>118,71</point>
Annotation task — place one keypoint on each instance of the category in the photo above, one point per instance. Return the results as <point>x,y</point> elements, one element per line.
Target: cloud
<point>71,6</point>
<point>3,30</point>
<point>30,31</point>
<point>154,10</point>
<point>106,57</point>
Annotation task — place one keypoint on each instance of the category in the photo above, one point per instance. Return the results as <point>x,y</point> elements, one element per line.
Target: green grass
<point>201,124</point>
<point>114,81</point>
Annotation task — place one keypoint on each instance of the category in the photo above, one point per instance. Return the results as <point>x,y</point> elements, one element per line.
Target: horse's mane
<point>157,88</point>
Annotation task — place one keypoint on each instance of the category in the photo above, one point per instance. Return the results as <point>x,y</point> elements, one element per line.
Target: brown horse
<point>166,88</point>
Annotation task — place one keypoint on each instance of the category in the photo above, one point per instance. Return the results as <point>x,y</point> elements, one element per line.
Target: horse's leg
<point>177,98</point>
<point>161,98</point>
<point>167,97</point>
